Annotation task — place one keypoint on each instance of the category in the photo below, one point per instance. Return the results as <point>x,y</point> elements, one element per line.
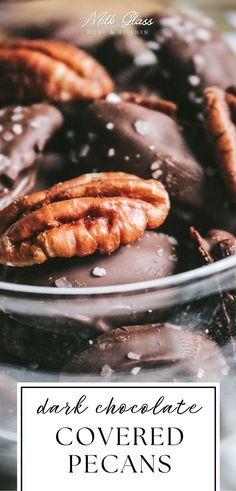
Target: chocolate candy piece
<point>150,257</point>
<point>217,245</point>
<point>10,190</point>
<point>24,132</point>
<point>67,30</point>
<point>34,338</point>
<point>220,127</point>
<point>132,347</point>
<point>129,137</point>
<point>120,51</point>
<point>191,55</point>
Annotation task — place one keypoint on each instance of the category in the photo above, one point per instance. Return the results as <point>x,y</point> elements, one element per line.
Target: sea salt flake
<point>155,165</point>
<point>127,157</point>
<point>142,127</point>
<point>7,137</point>
<point>17,129</point>
<point>133,356</point>
<point>225,371</point>
<point>200,373</point>
<point>4,162</point>
<point>202,34</point>
<point>172,240</point>
<point>2,112</point>
<point>145,58</point>
<point>106,371</point>
<point>111,152</point>
<point>198,59</point>
<point>18,109</point>
<point>90,341</point>
<point>151,147</point>
<point>156,174</point>
<point>170,21</point>
<point>84,150</point>
<point>63,283</point>
<point>98,272</point>
<point>1,128</point>
<point>17,117</point>
<point>110,126</point>
<point>35,124</point>
<point>153,45</point>
<point>135,370</point>
<point>194,80</point>
<point>113,98</point>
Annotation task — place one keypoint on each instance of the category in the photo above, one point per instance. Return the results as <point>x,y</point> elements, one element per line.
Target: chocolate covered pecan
<point>147,346</point>
<point>191,56</point>
<point>35,70</point>
<point>220,127</point>
<point>24,132</point>
<point>216,245</point>
<point>130,137</point>
<point>95,212</point>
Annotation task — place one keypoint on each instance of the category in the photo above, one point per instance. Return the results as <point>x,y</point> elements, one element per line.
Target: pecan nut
<point>220,127</point>
<point>151,102</point>
<point>35,70</point>
<point>95,212</point>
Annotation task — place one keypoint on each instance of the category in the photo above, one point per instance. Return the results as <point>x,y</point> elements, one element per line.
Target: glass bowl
<point>41,328</point>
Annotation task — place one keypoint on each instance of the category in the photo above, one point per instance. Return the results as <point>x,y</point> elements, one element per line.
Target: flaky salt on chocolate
<point>191,55</point>
<point>24,132</point>
<point>151,345</point>
<point>147,142</point>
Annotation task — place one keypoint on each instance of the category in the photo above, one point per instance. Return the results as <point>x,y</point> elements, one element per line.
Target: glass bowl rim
<point>177,280</point>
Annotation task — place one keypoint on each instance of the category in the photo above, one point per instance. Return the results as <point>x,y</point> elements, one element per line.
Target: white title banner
<point>105,435</point>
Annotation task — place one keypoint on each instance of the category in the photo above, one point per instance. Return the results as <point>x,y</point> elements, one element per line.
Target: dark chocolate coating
<point>150,257</point>
<point>191,55</point>
<point>11,190</point>
<point>113,140</point>
<point>215,246</point>
<point>118,52</point>
<point>146,346</point>
<point>67,29</point>
<point>24,132</point>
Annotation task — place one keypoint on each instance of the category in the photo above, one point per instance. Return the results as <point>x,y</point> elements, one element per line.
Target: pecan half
<point>95,212</point>
<point>151,102</point>
<point>220,127</point>
<point>35,70</point>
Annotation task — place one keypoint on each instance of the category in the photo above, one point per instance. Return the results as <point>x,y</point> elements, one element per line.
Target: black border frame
<point>30,386</point>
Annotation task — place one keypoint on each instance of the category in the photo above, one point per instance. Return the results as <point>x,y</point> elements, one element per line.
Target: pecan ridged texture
<point>36,70</point>
<point>151,102</point>
<point>92,213</point>
<point>220,127</point>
